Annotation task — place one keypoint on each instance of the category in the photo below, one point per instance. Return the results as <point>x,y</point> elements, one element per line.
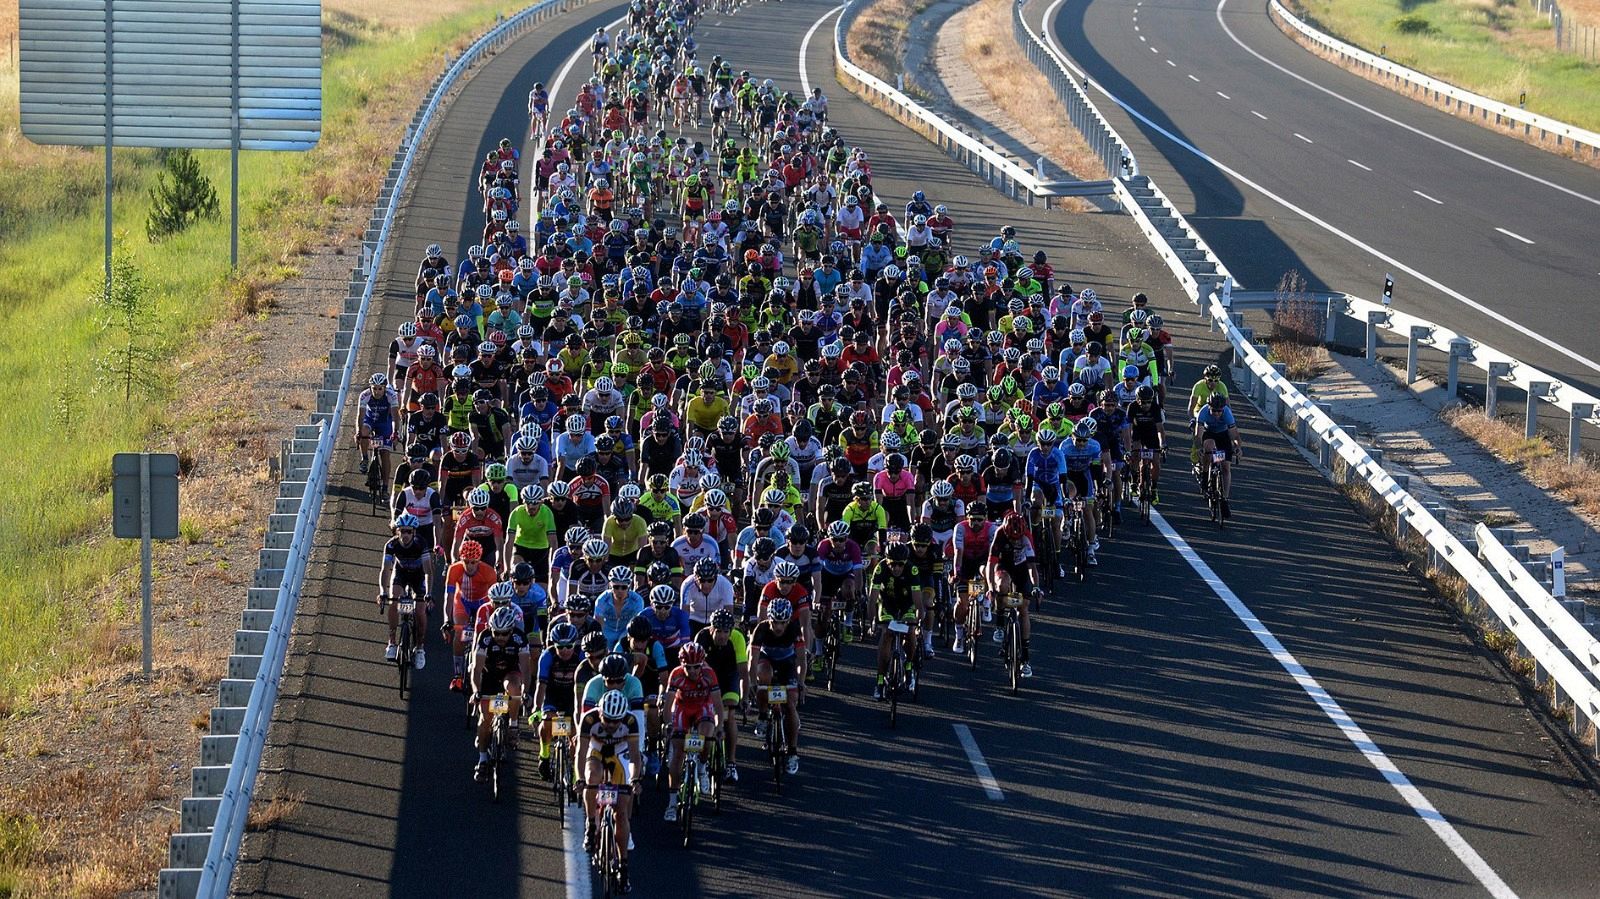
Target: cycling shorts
<point>686,717</point>
<point>1222,440</point>
<point>1082,481</point>
<point>616,772</point>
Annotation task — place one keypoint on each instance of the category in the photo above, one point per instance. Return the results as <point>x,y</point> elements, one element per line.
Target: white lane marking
<point>805,46</point>
<point>991,787</point>
<point>1428,198</point>
<point>582,51</point>
<point>1194,79</point>
<point>1329,227</point>
<point>1304,138</point>
<point>1352,731</point>
<point>1223,95</point>
<point>1515,235</point>
<point>1358,165</point>
<point>1258,115</point>
<point>1394,121</point>
<point>1171,63</point>
<point>1154,50</point>
<point>1143,39</point>
<point>574,859</point>
<point>1136,28</point>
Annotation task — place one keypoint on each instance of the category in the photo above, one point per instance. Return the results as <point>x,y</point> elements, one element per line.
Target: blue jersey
<point>1212,422</point>
<point>1046,467</point>
<point>1111,424</point>
<point>671,632</point>
<point>1044,395</point>
<point>1080,458</point>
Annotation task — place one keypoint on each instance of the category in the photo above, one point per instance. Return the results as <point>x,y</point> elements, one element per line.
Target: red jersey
<point>700,689</point>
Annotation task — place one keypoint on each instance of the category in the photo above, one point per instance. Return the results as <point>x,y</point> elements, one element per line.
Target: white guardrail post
<point>202,855</point>
<point>1477,106</point>
<point>1204,278</point>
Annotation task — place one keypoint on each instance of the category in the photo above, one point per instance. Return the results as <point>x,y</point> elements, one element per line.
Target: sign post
<point>144,500</point>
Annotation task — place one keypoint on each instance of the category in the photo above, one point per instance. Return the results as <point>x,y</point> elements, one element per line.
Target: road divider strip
<point>980,766</point>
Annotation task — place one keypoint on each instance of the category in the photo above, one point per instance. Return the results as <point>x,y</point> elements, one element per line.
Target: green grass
<point>1498,48</point>
<point>61,426</point>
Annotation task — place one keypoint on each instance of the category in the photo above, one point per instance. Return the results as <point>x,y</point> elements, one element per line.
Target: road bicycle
<point>376,489</point>
<point>975,591</point>
<point>499,706</point>
<point>1105,504</point>
<point>1050,560</point>
<point>832,623</point>
<point>1145,473</point>
<point>696,771</point>
<point>561,736</point>
<point>776,740</point>
<point>1011,644</point>
<point>607,858</point>
<point>405,657</point>
<point>1076,534</point>
<point>1212,485</point>
<point>901,678</point>
<point>943,611</point>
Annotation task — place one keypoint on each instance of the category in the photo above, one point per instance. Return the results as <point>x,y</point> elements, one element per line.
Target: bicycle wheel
<point>375,486</point>
<point>776,741</point>
<point>1014,651</point>
<point>558,783</point>
<point>897,664</point>
<point>974,628</point>
<point>830,653</point>
<point>686,797</point>
<point>403,657</point>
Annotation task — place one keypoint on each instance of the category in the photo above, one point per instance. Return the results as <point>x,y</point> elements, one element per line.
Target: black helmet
<point>800,534</point>
<point>1145,393</point>
<point>639,629</point>
<point>594,642</point>
<point>922,533</point>
<point>523,572</point>
<point>615,665</point>
<point>899,552</point>
<point>764,548</point>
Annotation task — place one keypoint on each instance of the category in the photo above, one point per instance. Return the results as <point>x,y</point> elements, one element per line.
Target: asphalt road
<point>1159,751</point>
<point>1314,149</point>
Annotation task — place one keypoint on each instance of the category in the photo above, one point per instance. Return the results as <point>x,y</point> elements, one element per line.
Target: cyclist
<point>1216,431</point>
<point>1082,467</point>
<point>466,587</point>
<point>611,745</point>
<point>499,662</point>
<point>776,639</point>
<point>1148,423</point>
<point>407,566</point>
<point>895,594</point>
<point>554,691</point>
<point>378,422</point>
<point>728,655</point>
<point>1012,566</point>
<point>694,703</point>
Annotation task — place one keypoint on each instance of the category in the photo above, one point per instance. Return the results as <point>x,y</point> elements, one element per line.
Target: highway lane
<point>1158,751</point>
<point>1463,209</point>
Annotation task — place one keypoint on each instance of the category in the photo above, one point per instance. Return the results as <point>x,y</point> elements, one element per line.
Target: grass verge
<point>1296,339</point>
<point>1017,87</point>
<point>1577,483</point>
<point>1497,48</point>
<point>92,759</point>
<point>876,39</point>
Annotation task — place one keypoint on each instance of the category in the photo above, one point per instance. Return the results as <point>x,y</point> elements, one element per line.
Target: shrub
<point>182,196</point>
<point>1412,23</point>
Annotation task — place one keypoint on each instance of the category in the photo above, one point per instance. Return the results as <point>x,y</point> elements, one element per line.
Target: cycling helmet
<point>1047,436</point>
<point>407,520</point>
<point>1212,371</point>
<point>922,534</point>
<point>694,522</point>
<point>639,629</point>
<point>1145,393</point>
<point>943,489</point>
<point>899,552</point>
<point>861,490</point>
<point>533,494</point>
<point>663,595</point>
<point>564,634</point>
<point>1130,371</point>
<point>559,490</point>
<point>1077,390</point>
<point>723,620</point>
<point>596,548</point>
<point>1084,430</point>
<point>774,496</point>
<point>780,610</point>
<point>614,666</point>
<point>577,535</point>
<point>502,593</point>
<point>504,619</point>
<point>614,705</point>
<point>716,499</point>
<point>966,464</point>
<point>658,572</point>
<point>1051,374</point>
<point>838,530</point>
<point>691,654</point>
<point>494,472</point>
<point>478,498</point>
<point>787,570</point>
<point>621,576</point>
<point>705,568</point>
<point>379,380</point>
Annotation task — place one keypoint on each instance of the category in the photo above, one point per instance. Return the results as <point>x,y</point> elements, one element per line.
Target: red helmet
<point>1013,523</point>
<point>471,551</point>
<point>691,654</point>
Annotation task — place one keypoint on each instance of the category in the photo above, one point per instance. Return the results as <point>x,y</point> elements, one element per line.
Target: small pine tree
<point>127,312</point>
<point>182,196</point>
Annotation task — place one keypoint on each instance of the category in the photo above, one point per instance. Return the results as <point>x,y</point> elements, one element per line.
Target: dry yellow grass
<point>1000,63</point>
<point>1577,483</point>
<point>876,40</point>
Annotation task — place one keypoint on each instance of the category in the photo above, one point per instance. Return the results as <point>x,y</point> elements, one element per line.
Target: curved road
<point>1505,232</point>
<point>1160,750</point>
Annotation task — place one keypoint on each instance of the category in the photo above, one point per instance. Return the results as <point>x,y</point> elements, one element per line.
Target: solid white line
<point>1515,235</point>
<point>1329,227</point>
<point>805,46</point>
<point>1194,79</point>
<point>582,51</point>
<point>1394,121</point>
<point>1171,63</point>
<point>575,860</point>
<point>1428,198</point>
<point>1358,165</point>
<point>991,787</point>
<point>1223,95</point>
<point>1325,225</point>
<point>1258,115</point>
<point>1352,731</point>
<point>1304,138</point>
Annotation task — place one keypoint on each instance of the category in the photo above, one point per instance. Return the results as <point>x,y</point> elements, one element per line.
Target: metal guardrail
<point>1011,179</point>
<point>202,856</point>
<point>1536,384</point>
<point>1531,125</point>
<point>1069,83</point>
<point>1206,281</point>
